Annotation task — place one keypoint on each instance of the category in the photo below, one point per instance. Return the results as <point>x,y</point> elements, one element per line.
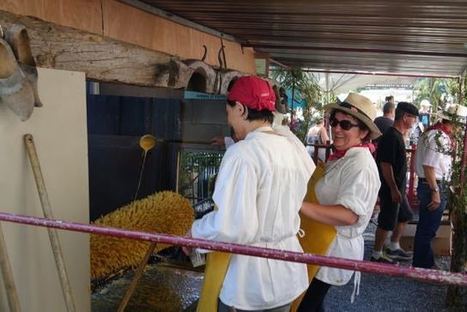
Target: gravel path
<point>382,293</point>
<point>170,290</point>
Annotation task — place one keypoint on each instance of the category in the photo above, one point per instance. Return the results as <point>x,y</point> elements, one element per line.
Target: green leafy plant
<point>436,90</point>
<point>303,86</point>
<point>458,204</point>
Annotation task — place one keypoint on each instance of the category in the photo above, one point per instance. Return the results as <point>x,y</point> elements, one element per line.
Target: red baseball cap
<point>253,92</point>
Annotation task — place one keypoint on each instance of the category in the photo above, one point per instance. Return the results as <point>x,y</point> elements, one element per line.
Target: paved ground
<point>163,289</point>
<point>381,293</point>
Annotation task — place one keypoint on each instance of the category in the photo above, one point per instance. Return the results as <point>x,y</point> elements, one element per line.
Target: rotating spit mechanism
<point>18,73</point>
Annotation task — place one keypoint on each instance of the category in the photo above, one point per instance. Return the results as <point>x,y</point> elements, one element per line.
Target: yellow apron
<point>216,267</point>
<point>217,264</point>
<point>318,237</point>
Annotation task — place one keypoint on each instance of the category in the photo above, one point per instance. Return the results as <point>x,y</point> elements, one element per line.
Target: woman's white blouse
<point>353,182</point>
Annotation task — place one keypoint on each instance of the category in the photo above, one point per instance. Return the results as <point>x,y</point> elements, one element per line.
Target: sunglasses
<point>344,124</point>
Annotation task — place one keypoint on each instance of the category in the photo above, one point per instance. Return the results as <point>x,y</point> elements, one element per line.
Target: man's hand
<point>430,176</point>
<point>187,250</point>
<point>435,201</point>
<point>388,175</point>
<point>396,196</point>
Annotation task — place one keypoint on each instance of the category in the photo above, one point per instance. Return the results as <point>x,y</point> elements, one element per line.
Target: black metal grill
<point>197,175</point>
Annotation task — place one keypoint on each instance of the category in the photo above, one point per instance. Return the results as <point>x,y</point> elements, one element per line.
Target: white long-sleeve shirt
<point>352,182</point>
<point>259,190</point>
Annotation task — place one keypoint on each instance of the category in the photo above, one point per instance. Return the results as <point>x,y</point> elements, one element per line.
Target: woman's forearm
<point>329,214</point>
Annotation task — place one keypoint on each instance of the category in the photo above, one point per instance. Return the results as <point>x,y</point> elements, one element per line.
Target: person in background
<point>433,163</point>
<point>424,113</point>
<point>415,133</point>
<point>258,192</point>
<point>346,194</point>
<point>384,123</point>
<point>423,122</point>
<point>284,98</point>
<point>317,135</point>
<point>387,120</point>
<point>395,212</point>
<point>281,107</point>
<point>390,99</point>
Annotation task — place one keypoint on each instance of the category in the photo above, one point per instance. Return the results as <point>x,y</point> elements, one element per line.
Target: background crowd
<point>269,193</point>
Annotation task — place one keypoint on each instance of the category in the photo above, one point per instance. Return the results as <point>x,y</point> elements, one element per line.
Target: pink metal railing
<point>424,275</point>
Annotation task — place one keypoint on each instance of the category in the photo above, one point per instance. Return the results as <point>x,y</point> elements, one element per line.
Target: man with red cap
<point>259,191</point>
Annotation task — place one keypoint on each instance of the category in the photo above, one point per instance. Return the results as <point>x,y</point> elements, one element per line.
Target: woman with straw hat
<point>345,195</point>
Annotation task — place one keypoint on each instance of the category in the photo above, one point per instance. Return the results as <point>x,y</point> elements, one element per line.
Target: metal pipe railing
<point>424,275</point>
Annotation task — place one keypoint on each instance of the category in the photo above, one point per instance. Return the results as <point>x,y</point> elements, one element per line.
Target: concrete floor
<point>161,289</point>
<point>168,289</point>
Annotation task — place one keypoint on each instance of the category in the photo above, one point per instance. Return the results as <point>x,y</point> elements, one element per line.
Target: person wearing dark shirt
<point>387,120</point>
<point>392,166</point>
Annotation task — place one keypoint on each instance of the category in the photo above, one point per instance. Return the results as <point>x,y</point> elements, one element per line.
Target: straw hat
<point>359,107</point>
<point>425,103</point>
<point>454,112</point>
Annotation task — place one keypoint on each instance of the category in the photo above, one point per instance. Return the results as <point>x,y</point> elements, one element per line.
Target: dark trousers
<point>427,226</point>
<point>313,301</point>
<point>393,213</point>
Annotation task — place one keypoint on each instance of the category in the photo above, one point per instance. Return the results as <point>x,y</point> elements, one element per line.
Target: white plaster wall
<point>59,131</point>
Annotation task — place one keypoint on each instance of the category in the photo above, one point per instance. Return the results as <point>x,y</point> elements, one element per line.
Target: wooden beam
<point>138,26</point>
<point>100,58</point>
<point>103,59</point>
<point>108,60</point>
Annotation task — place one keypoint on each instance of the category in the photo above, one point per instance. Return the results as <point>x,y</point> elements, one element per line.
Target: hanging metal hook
<point>205,53</point>
<point>222,65</point>
<point>222,50</point>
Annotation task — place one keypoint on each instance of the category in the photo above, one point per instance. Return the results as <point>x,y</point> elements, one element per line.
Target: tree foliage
<point>304,87</point>
<point>456,296</point>
<point>436,90</point>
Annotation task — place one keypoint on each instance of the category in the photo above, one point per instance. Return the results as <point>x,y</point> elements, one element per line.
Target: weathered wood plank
<point>109,60</point>
<point>160,34</point>
<point>100,58</point>
<point>126,23</point>
<point>79,14</point>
